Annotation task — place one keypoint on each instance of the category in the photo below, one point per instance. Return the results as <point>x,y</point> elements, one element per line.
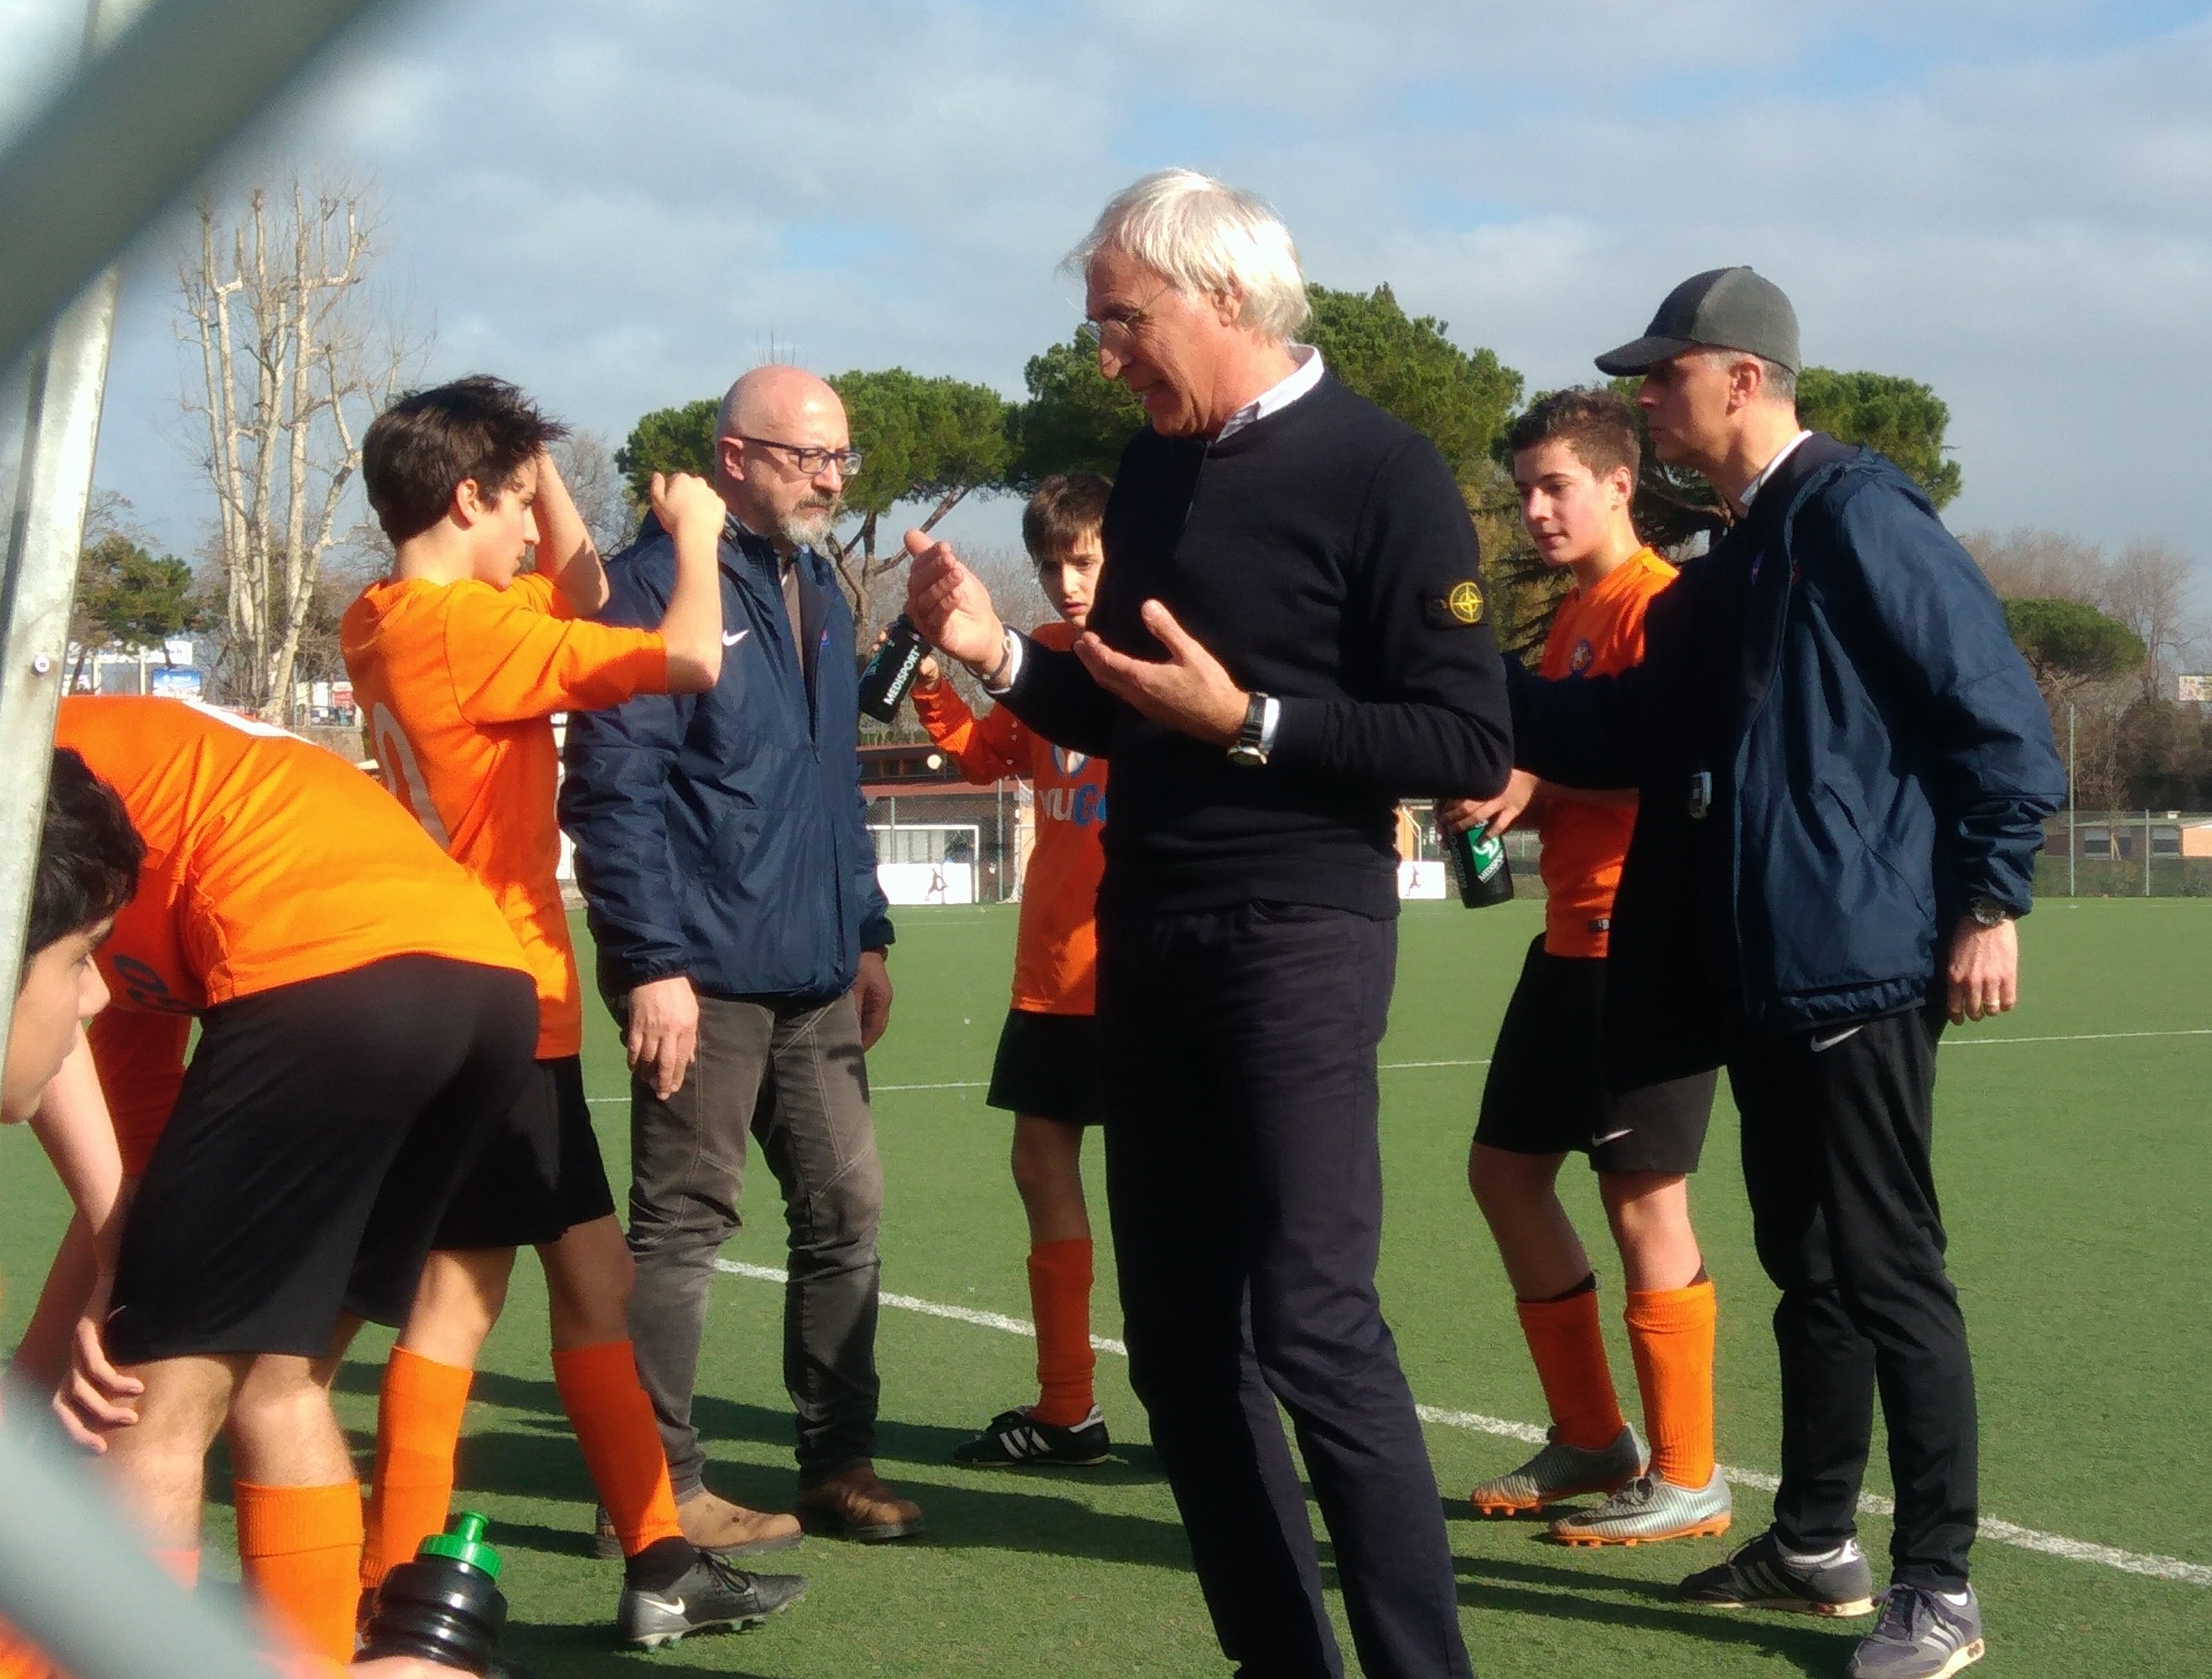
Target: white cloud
<point>622,207</point>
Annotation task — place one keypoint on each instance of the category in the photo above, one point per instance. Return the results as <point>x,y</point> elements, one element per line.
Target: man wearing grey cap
<point>1843,767</point>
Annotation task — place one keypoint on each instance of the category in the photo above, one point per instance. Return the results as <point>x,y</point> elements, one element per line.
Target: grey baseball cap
<point>1723,308</point>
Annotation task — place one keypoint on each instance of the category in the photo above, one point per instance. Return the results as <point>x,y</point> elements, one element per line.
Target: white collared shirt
<point>1279,395</point>
<point>1752,488</point>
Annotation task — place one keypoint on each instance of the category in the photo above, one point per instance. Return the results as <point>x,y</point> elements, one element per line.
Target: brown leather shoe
<point>716,1526</point>
<point>855,1504</point>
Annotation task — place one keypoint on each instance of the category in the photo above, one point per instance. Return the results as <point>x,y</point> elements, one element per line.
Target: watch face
<point>1246,757</point>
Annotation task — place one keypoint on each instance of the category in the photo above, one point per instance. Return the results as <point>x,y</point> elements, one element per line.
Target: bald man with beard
<point>730,879</point>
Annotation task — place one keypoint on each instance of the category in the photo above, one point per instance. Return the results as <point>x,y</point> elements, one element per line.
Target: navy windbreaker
<point>1890,758</point>
<point>722,835</point>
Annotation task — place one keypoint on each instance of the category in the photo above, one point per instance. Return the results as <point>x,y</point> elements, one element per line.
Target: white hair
<point>1203,237</point>
<point>1777,383</point>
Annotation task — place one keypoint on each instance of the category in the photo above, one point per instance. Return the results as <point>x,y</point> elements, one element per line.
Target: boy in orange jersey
<point>1046,1072</point>
<point>459,665</point>
<point>363,1006</point>
<point>1575,461</point>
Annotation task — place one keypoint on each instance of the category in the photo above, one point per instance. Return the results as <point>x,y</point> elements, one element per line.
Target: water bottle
<point>1479,867</point>
<point>445,1605</point>
<point>890,670</point>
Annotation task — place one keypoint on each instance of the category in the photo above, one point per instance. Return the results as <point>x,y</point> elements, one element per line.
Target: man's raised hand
<point>951,608</point>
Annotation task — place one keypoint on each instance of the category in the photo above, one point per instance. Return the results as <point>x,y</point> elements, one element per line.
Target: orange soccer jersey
<point>459,682</point>
<point>268,861</point>
<point>1056,949</point>
<point>1598,631</point>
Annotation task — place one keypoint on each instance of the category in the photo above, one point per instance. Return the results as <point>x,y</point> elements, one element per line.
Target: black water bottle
<point>1479,867</point>
<point>890,670</point>
<point>445,1605</point>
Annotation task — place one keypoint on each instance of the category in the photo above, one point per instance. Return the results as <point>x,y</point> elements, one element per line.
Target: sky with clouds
<point>621,206</point>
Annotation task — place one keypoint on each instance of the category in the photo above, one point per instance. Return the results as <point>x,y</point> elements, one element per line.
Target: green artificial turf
<point>2075,1183</point>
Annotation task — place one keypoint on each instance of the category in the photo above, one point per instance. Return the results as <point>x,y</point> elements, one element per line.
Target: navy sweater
<point>1324,555</point>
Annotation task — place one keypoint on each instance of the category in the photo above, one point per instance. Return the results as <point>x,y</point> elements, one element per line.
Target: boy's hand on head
<point>680,498</point>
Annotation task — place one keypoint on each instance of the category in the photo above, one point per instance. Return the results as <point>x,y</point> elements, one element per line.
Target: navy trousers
<point>1244,1176</point>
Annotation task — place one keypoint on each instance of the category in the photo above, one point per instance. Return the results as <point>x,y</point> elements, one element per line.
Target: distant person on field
<point>1842,767</point>
<point>723,852</point>
<point>1046,1074</point>
<point>460,665</point>
<point>1575,460</point>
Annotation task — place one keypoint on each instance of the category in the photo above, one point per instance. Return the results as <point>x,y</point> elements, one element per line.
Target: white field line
<point>1411,1066</point>
<point>2004,1533</point>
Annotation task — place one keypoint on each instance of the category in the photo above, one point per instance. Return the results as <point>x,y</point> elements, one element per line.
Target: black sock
<point>660,1565</point>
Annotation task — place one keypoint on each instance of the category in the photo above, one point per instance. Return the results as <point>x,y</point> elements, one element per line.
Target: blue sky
<point>625,206</point>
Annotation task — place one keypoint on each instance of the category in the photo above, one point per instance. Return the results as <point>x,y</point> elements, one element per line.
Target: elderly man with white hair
<point>1289,638</point>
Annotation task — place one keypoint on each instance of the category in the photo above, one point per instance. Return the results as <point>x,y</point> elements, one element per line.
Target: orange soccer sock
<point>614,1423</point>
<point>418,1424</point>
<point>1569,1348</point>
<point>299,1551</point>
<point>1670,1330</point>
<point>1059,1296</point>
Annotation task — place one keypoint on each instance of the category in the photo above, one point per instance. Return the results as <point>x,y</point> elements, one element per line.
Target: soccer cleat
<point>1922,1635</point>
<point>1761,1575</point>
<point>1649,1509</point>
<point>711,1597</point>
<point>1559,1472</point>
<point>1016,1437</point>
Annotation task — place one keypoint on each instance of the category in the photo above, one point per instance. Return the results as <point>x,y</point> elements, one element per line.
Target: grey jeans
<point>790,1072</point>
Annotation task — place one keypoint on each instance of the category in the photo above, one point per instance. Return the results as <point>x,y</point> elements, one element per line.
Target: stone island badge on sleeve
<point>1457,607</point>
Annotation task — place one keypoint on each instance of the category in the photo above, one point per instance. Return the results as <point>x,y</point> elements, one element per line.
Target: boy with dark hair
<point>361,1006</point>
<point>1575,459</point>
<point>460,666</point>
<point>1047,1069</point>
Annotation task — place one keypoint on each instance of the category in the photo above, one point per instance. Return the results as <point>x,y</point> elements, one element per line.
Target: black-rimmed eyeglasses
<point>812,460</point>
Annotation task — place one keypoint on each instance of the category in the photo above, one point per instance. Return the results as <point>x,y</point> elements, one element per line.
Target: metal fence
<point>2126,854</point>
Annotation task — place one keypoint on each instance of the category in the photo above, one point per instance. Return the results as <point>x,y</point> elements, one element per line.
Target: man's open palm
<point>951,607</point>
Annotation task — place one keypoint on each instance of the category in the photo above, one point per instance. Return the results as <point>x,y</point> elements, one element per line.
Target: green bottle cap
<point>464,1542</point>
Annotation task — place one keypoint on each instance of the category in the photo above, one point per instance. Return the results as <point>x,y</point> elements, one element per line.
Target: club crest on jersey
<point>1068,763</point>
<point>1457,607</point>
<point>1579,660</point>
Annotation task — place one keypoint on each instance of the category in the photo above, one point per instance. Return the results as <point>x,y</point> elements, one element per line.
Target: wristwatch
<point>1987,911</point>
<point>1249,751</point>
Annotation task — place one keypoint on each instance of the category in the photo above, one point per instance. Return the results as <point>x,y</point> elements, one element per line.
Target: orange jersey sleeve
<point>986,749</point>
<point>460,683</point>
<point>1597,633</point>
<point>140,1059</point>
<point>268,861</point>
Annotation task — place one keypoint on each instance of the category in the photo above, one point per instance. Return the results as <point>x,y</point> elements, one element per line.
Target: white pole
<point>2072,850</point>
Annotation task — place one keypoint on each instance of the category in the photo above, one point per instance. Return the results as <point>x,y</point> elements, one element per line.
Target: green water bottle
<point>1479,867</point>
<point>445,1605</point>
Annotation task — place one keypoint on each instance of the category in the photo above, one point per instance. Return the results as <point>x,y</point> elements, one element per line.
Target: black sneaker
<point>1761,1575</point>
<point>712,1597</point>
<point>1016,1437</point>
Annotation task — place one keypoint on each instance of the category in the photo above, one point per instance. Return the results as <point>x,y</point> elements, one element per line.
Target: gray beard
<point>807,527</point>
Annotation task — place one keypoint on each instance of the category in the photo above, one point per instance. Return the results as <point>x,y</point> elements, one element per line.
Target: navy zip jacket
<point>722,835</point>
<point>1877,755</point>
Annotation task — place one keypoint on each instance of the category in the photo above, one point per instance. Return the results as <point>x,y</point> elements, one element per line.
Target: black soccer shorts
<point>1047,1068</point>
<point>1545,1093</point>
<point>540,1174</point>
<point>322,1128</point>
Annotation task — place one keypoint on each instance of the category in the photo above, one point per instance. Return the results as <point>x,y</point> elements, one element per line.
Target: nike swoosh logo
<point>732,640</point>
<point>1833,1038</point>
<point>1611,1137</point>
